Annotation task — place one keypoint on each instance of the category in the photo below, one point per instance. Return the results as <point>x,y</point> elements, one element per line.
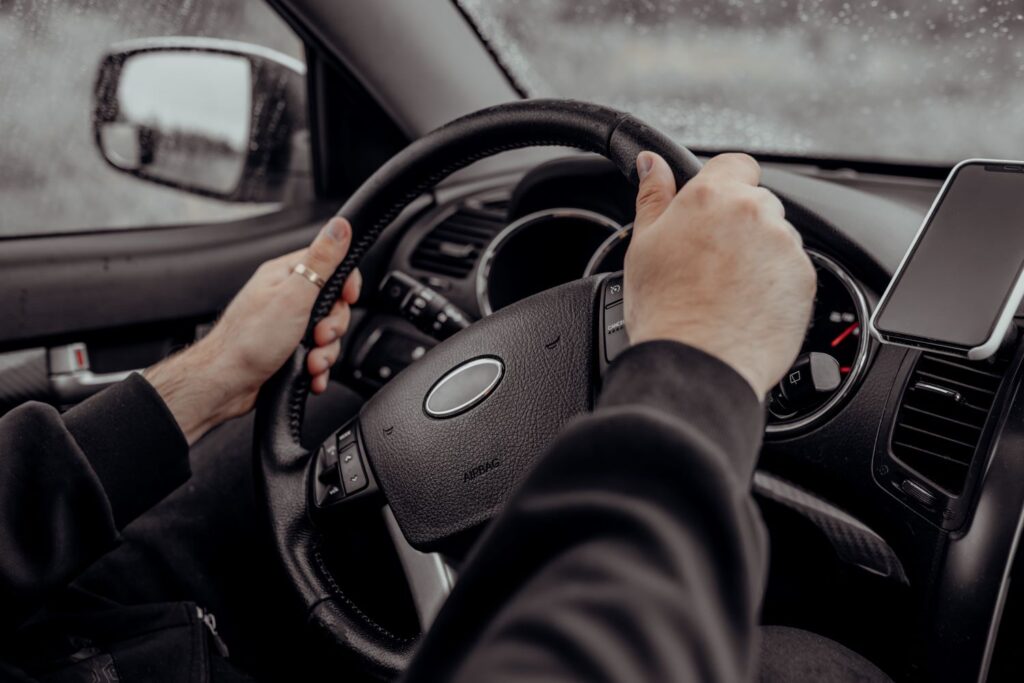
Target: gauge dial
<point>836,332</point>
<point>555,243</point>
<point>834,352</point>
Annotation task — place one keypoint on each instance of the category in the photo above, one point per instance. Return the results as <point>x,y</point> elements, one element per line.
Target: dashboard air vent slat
<point>941,419</point>
<point>454,245</point>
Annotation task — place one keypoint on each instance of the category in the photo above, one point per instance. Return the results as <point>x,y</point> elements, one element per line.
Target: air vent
<point>453,247</point>
<point>943,414</point>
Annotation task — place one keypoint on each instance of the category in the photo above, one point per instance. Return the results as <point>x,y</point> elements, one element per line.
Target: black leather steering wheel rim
<point>281,461</point>
<point>280,457</point>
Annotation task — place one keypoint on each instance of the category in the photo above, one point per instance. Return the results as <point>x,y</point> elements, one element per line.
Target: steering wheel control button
<point>613,291</point>
<point>425,308</point>
<point>328,465</point>
<point>464,387</point>
<point>353,474</point>
<point>616,339</point>
<point>327,485</point>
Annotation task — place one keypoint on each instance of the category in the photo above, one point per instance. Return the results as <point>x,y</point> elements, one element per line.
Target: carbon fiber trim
<point>854,542</point>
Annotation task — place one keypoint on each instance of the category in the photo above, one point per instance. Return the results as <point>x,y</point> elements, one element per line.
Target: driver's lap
<point>202,551</point>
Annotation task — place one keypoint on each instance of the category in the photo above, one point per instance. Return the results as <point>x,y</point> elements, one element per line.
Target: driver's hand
<point>219,377</point>
<point>717,266</point>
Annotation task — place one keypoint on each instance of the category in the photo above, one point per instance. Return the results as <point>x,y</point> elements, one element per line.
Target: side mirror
<point>217,118</point>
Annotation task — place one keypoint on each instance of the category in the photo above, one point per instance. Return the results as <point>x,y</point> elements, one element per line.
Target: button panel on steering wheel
<point>340,471</point>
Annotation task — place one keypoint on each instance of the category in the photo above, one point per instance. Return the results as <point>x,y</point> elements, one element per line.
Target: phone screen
<point>957,279</point>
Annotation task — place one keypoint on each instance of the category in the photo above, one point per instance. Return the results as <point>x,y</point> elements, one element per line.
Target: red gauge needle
<point>844,334</point>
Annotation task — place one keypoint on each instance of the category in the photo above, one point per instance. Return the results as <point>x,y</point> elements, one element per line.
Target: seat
<point>792,655</point>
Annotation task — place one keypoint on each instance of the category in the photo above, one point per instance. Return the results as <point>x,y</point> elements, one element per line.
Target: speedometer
<point>834,353</point>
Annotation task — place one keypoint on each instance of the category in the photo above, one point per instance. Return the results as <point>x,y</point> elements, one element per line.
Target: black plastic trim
<point>970,586</point>
<point>892,168</point>
<point>113,278</point>
<point>948,510</point>
<point>509,76</point>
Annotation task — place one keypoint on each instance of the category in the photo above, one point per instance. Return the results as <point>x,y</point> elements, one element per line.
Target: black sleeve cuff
<point>134,445</point>
<point>695,387</point>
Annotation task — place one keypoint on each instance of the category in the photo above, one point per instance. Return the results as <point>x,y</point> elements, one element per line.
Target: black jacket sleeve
<point>69,483</point>
<point>632,552</point>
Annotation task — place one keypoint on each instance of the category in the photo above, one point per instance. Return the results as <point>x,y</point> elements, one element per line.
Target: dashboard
<point>496,247</point>
<point>557,245</point>
<point>892,485</point>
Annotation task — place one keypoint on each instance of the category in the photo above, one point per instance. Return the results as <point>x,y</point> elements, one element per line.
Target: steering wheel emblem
<point>464,387</point>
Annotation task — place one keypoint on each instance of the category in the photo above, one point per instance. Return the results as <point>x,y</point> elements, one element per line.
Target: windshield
<point>884,80</point>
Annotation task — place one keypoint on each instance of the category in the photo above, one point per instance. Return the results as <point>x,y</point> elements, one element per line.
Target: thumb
<point>657,188</point>
<point>329,247</point>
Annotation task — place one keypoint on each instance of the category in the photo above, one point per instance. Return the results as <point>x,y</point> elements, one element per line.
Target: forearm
<point>637,524</point>
<point>197,390</point>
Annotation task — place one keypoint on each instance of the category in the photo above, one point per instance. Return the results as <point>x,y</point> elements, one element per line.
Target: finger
<point>334,326</point>
<point>329,247</point>
<point>737,167</point>
<point>353,287</point>
<point>319,383</point>
<point>793,232</point>
<point>656,190</point>
<point>320,359</point>
<point>771,201</point>
<point>293,258</point>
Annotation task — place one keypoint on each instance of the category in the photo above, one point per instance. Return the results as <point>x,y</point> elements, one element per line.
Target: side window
<point>136,113</point>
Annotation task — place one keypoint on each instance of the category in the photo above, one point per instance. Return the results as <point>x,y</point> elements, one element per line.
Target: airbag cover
<point>446,476</point>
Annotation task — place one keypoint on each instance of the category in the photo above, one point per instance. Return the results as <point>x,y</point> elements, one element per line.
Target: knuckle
<point>786,229</point>
<point>765,195</point>
<point>702,192</point>
<point>748,206</point>
<point>780,236</point>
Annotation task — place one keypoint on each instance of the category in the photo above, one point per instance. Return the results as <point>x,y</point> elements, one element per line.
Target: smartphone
<point>960,283</point>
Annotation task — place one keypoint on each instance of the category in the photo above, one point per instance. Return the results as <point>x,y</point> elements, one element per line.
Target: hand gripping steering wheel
<point>447,440</point>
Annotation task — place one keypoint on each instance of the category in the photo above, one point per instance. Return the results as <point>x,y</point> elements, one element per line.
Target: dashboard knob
<point>812,375</point>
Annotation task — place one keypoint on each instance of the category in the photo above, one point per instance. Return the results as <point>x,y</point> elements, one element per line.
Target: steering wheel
<point>445,442</point>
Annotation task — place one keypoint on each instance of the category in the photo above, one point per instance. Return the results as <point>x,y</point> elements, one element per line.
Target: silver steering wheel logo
<point>464,387</point>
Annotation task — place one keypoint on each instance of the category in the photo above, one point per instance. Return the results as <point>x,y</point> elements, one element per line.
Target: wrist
<point>195,386</point>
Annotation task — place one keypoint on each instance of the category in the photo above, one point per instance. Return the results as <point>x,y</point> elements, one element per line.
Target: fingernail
<point>644,164</point>
<point>336,229</point>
